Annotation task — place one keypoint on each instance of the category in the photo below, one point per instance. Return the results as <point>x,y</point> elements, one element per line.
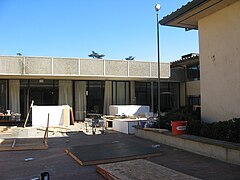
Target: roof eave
<point>181,11</point>
<point>188,15</point>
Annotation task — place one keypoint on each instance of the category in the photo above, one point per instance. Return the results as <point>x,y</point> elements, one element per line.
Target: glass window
<point>121,92</point>
<point>169,95</point>
<point>143,93</point>
<point>42,92</point>
<point>174,91</point>
<point>194,100</point>
<point>95,97</point>
<point>193,72</point>
<point>3,96</point>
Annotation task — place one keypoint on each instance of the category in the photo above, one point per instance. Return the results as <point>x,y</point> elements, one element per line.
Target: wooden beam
<point>73,156</point>
<point>25,123</point>
<point>45,138</point>
<point>13,144</point>
<point>72,116</point>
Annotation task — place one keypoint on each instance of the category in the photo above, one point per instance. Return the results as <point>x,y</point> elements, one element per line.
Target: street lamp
<point>157,8</point>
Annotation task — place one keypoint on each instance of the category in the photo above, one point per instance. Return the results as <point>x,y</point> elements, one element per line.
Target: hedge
<point>222,130</point>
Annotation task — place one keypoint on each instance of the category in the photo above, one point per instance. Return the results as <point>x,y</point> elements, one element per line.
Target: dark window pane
<point>194,100</point>
<point>169,95</point>
<point>193,72</point>
<point>95,96</point>
<point>42,92</point>
<point>3,96</point>
<point>143,93</point>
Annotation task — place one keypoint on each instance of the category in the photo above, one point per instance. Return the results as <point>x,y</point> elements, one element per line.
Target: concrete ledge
<point>221,150</point>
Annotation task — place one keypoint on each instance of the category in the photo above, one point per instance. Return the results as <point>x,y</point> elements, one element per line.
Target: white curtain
<point>132,90</point>
<point>65,96</point>
<point>14,96</point>
<point>80,100</point>
<point>107,97</point>
<point>121,93</point>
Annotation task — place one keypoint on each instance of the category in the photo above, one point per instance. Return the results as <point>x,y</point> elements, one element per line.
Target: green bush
<point>217,130</point>
<point>226,130</point>
<point>182,114</point>
<point>223,130</point>
<point>194,127</point>
<point>234,130</point>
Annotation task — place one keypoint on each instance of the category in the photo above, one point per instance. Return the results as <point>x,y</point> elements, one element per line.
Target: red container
<point>179,127</point>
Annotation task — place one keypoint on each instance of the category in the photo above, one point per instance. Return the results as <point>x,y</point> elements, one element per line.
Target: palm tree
<point>130,58</point>
<point>96,55</point>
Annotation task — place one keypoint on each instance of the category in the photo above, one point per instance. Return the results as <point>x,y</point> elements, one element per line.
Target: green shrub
<point>223,130</point>
<point>194,127</point>
<point>217,130</point>
<point>234,130</point>
<point>181,114</point>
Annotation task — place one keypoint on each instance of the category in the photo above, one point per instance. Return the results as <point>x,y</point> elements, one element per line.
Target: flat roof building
<point>87,85</point>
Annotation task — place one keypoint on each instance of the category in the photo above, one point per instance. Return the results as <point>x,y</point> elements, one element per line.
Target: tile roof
<point>189,6</point>
<point>186,58</point>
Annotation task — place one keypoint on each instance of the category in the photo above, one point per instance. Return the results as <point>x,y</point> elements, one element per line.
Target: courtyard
<point>30,163</point>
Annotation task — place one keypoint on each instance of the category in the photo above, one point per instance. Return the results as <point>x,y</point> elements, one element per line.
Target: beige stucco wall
<point>75,68</point>
<point>220,64</point>
<point>11,65</point>
<point>193,88</point>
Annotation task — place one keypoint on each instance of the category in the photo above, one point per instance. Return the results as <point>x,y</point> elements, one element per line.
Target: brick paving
<point>61,166</point>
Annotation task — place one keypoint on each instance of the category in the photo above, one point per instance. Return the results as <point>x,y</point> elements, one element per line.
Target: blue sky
<point>73,28</point>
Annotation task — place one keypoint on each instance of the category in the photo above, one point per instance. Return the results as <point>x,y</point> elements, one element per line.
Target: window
<point>3,96</point>
<point>121,95</point>
<point>43,92</point>
<point>169,95</point>
<point>143,93</point>
<point>95,96</point>
<point>193,100</point>
<point>193,72</point>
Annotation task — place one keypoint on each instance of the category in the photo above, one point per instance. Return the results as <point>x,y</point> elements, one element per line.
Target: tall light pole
<point>157,8</point>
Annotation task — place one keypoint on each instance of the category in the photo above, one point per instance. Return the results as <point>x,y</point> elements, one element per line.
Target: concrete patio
<point>61,166</point>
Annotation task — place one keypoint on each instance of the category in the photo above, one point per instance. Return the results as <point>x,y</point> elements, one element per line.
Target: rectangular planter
<point>221,150</point>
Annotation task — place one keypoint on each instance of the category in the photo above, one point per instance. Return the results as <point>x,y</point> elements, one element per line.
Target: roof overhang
<point>188,15</point>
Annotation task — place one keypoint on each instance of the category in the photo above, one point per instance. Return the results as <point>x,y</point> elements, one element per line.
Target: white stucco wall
<point>219,36</point>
